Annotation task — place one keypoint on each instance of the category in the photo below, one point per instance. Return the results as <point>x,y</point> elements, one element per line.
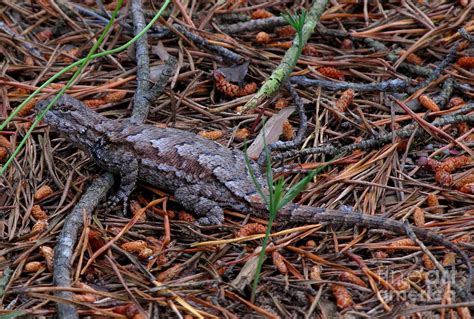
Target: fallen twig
<point>384,86</point>
<point>221,51</point>
<point>380,140</point>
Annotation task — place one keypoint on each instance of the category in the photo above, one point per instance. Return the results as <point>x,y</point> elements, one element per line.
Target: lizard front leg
<point>129,175</point>
<point>211,212</point>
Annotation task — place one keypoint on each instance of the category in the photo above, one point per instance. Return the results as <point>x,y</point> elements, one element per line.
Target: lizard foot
<point>114,201</point>
<point>209,211</point>
<point>214,217</point>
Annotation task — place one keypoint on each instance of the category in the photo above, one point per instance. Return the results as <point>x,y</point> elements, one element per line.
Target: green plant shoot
<point>275,200</point>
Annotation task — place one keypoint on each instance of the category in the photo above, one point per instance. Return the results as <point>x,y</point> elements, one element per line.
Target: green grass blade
<point>298,187</point>
<point>254,178</point>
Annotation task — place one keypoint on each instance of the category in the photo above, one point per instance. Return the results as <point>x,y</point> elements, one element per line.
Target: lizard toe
<point>209,220</point>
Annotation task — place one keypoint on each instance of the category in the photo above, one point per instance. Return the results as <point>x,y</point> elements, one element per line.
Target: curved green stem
<point>81,63</point>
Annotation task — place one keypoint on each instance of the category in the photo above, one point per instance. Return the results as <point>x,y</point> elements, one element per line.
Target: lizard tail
<point>306,214</point>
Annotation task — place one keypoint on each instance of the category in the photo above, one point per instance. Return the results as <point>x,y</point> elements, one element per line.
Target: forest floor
<point>387,92</point>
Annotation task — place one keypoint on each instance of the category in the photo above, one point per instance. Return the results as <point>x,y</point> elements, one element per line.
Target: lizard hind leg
<point>209,211</point>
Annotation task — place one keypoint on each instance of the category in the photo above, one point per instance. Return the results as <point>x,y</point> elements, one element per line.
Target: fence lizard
<point>204,176</point>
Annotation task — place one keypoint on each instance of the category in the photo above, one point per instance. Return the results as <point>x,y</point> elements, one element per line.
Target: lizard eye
<point>63,108</point>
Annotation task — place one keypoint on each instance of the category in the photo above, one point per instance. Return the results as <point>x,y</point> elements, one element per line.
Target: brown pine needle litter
<point>384,103</point>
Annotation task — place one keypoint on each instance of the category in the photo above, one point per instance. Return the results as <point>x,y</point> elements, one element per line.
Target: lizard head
<point>68,115</point>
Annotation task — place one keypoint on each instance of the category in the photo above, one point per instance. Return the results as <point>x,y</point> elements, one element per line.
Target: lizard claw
<point>209,220</point>
<point>113,201</point>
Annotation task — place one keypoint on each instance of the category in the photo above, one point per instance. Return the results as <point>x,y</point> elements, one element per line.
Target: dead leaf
<point>235,73</point>
<point>272,129</point>
<point>160,51</point>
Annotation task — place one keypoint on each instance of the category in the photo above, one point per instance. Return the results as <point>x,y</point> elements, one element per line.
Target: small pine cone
<point>93,103</point>
<point>428,103</point>
<point>427,262</point>
<point>400,243</point>
<point>345,100</point>
<point>33,266</point>
<point>343,297</point>
<point>419,216</point>
<point>315,273</point>
<point>212,135</point>
<point>128,310</point>
<point>286,31</point>
<point>263,38</point>
<point>467,188</point>
<point>417,276</point>
<point>187,217</point>
<point>466,238</point>
<point>56,86</point>
<point>75,52</point>
<point>250,229</point>
<point>232,90</point>
<point>466,62</point>
<point>171,214</point>
<point>462,128</point>
<point>115,96</point>
<point>279,262</point>
<point>432,201</point>
<point>28,60</point>
<point>310,50</point>
<point>283,45</point>
<point>86,298</point>
<point>48,255</point>
<point>465,180</point>
<point>241,134</point>
<point>134,246</point>
<point>170,273</point>
<point>443,178</point>
<point>38,213</point>
<point>261,14</point>
<point>248,89</point>
<point>332,73</point>
<point>432,164</point>
<point>449,259</point>
<point>350,277</point>
<point>400,284</point>
<point>43,192</point>
<point>454,163</point>
<point>19,92</point>
<point>44,35</point>
<point>347,44</point>
<point>288,132</point>
<point>455,101</point>
<point>4,142</point>
<point>3,154</point>
<point>412,57</point>
<point>310,243</point>
<point>281,103</point>
<point>26,109</point>
<point>145,253</point>
<point>380,254</point>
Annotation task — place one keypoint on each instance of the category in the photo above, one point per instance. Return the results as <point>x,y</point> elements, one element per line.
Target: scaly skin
<point>204,176</point>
